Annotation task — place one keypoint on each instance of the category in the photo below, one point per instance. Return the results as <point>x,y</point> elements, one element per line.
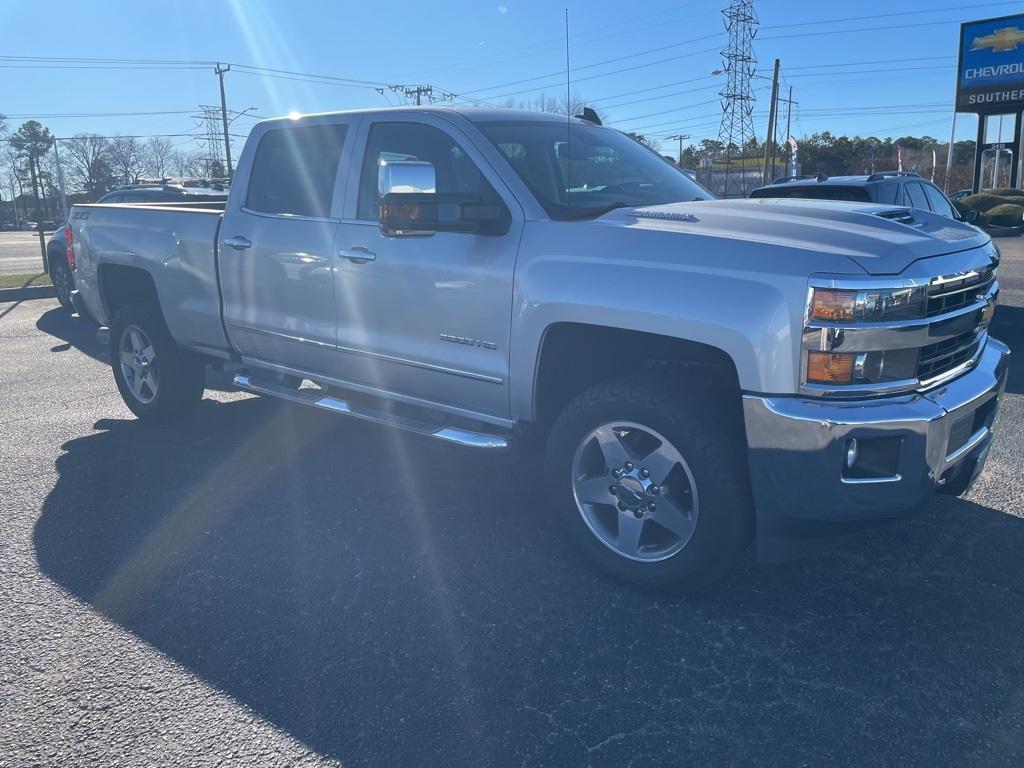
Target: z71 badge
<point>468,342</point>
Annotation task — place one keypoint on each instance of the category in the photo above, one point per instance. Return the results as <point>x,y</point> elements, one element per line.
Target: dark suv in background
<point>886,187</point>
<point>57,247</point>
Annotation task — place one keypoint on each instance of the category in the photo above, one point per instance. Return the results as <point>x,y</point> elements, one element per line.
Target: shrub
<point>1005,215</point>
<point>986,201</point>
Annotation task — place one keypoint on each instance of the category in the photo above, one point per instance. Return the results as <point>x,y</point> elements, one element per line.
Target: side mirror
<point>970,216</point>
<point>405,176</point>
<point>411,207</point>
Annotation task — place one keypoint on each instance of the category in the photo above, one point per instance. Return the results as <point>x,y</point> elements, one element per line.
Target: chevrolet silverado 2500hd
<point>703,373</point>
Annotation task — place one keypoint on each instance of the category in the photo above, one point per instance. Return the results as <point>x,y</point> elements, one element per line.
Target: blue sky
<point>657,79</point>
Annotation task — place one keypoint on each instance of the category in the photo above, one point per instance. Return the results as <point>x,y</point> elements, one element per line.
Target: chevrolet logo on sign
<point>1006,39</point>
<point>990,73</point>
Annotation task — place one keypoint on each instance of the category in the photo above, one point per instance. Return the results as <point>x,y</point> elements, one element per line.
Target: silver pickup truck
<point>698,375</point>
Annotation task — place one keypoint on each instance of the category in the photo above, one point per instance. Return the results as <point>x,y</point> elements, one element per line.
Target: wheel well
<point>121,285</point>
<point>575,356</point>
<point>54,255</point>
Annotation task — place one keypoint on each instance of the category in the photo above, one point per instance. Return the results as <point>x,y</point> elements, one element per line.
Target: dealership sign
<point>990,76</point>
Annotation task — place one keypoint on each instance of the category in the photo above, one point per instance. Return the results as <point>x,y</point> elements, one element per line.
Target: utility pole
<point>60,179</point>
<point>679,137</point>
<point>789,114</point>
<point>789,126</point>
<point>769,144</point>
<point>224,115</point>
<point>417,93</point>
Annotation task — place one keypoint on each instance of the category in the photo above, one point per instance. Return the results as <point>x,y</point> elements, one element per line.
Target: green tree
<point>31,141</point>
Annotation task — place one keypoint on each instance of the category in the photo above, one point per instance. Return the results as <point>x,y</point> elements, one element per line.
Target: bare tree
<point>88,164</point>
<point>126,158</point>
<point>187,164</point>
<point>159,153</point>
<point>553,104</point>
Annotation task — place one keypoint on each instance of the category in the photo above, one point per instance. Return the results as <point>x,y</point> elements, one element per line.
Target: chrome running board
<point>318,398</point>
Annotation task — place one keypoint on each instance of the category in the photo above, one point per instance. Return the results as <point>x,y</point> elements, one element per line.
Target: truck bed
<point>175,244</point>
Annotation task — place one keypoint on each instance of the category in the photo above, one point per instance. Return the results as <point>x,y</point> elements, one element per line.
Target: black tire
<point>179,376</point>
<point>705,434</point>
<point>63,281</point>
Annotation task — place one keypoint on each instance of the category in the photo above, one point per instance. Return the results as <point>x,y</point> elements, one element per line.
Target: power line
<point>58,115</point>
<point>668,111</point>
<point>119,136</point>
<point>658,98</point>
<point>97,66</point>
<point>610,73</point>
<point>958,8</point>
<point>595,64</point>
<point>873,61</point>
<point>559,43</point>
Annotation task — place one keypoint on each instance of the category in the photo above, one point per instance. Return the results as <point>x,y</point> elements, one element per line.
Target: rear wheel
<point>156,378</point>
<point>651,481</point>
<point>63,282</point>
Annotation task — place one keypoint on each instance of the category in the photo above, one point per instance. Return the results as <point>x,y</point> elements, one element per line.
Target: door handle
<point>237,242</point>
<point>357,255</point>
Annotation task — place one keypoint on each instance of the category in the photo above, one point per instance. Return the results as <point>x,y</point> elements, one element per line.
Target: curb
<point>994,231</point>
<point>24,294</point>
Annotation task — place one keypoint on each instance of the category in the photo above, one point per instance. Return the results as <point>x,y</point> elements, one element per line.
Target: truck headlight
<point>867,305</point>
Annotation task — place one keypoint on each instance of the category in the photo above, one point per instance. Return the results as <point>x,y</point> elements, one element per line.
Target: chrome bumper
<point>798,450</point>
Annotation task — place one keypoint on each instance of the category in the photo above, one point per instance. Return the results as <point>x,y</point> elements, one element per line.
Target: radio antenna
<point>568,111</point>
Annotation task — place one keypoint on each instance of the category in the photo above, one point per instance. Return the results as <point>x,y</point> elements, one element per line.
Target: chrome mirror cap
<point>405,176</point>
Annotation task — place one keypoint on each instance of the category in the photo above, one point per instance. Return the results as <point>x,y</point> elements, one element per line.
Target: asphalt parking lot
<point>20,253</point>
<point>264,585</point>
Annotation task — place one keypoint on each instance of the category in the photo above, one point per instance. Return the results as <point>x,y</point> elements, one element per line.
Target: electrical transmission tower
<point>737,128</point>
<point>209,121</point>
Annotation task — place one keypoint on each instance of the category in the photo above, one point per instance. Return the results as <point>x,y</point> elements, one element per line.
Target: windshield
<point>590,171</point>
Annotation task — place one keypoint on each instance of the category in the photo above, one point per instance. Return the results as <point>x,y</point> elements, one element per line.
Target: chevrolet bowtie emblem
<point>1006,39</point>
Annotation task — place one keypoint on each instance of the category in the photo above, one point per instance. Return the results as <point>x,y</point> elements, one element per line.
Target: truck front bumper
<point>812,483</point>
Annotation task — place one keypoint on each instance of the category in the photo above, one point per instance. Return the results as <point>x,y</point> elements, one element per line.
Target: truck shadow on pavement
<point>1008,327</point>
<point>389,602</point>
<point>81,334</point>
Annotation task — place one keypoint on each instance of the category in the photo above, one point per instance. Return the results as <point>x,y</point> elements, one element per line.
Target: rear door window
<point>938,201</point>
<point>916,197</point>
<point>889,194</point>
<point>294,170</point>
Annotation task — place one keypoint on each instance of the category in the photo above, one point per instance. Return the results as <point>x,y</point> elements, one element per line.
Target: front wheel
<point>650,480</point>
<point>156,378</point>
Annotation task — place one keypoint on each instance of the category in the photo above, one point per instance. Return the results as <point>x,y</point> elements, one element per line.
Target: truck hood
<point>880,239</point>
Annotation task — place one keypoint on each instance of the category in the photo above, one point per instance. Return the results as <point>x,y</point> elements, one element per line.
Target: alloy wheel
<point>635,491</point>
<point>139,364</point>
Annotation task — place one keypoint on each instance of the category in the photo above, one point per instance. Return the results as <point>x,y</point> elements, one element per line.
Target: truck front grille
<point>936,359</point>
<point>952,293</point>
